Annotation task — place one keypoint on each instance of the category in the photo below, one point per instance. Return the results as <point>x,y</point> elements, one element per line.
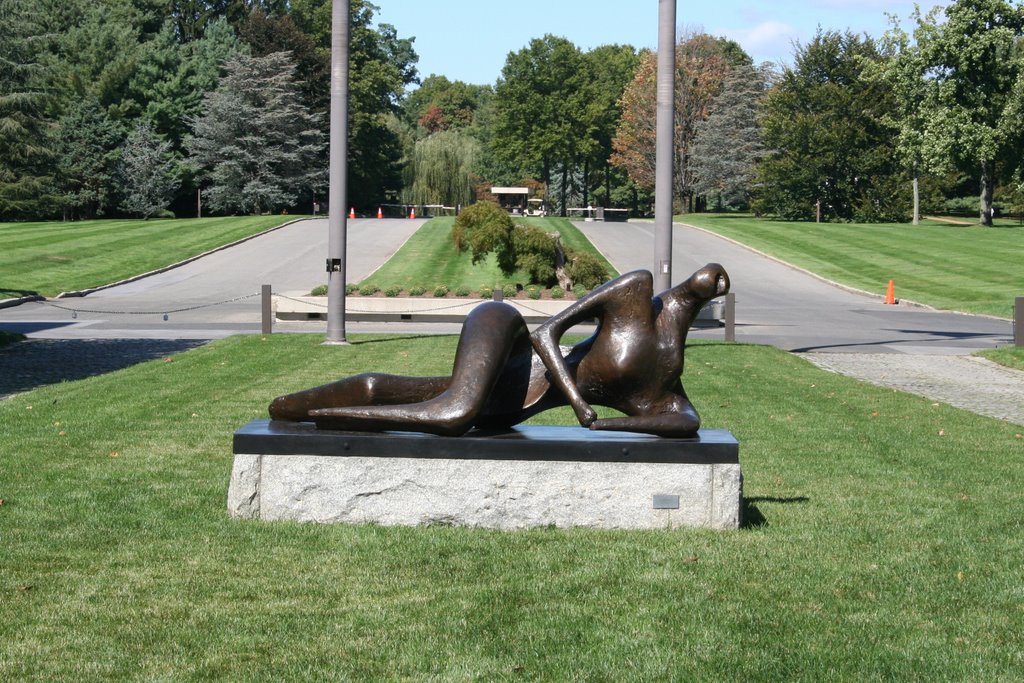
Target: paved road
<point>775,305</point>
<point>784,307</point>
<point>291,260</point>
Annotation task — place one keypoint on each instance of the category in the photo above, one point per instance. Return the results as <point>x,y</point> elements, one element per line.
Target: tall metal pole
<point>338,192</point>
<point>664,144</point>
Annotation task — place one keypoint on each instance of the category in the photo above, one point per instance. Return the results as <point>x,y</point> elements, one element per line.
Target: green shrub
<point>536,252</point>
<point>557,292</point>
<point>585,269</point>
<point>959,206</point>
<point>441,290</point>
<point>350,288</point>
<point>369,290</point>
<point>321,290</point>
<point>509,291</point>
<point>393,290</point>
<point>534,291</point>
<point>486,292</point>
<point>462,290</point>
<point>482,228</point>
<point>579,291</point>
<point>417,290</point>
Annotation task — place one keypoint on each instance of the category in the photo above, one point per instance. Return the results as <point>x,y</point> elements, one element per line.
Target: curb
<point>164,269</point>
<point>11,303</point>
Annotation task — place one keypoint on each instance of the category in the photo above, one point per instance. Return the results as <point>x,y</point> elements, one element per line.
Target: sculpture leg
<point>368,389</point>
<point>492,332</point>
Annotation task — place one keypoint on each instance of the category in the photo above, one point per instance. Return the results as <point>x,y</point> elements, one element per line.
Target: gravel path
<point>967,382</point>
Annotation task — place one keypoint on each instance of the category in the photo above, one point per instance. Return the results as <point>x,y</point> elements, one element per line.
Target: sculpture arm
<point>672,416</point>
<point>545,338</point>
<point>675,425</point>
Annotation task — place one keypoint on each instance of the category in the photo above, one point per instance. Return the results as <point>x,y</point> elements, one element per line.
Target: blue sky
<point>468,40</point>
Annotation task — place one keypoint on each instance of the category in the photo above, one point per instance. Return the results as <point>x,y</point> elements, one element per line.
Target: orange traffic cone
<point>380,214</point>
<point>890,293</point>
<point>352,212</point>
<point>412,214</point>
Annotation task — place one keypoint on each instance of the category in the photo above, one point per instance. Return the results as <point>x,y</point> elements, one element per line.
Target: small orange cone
<point>890,293</point>
<point>412,214</point>
<point>380,214</point>
<point>352,212</point>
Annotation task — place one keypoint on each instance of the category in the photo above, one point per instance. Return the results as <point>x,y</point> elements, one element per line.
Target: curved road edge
<point>840,285</point>
<point>11,303</point>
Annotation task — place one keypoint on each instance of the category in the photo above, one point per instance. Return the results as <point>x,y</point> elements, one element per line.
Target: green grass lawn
<point>51,257</point>
<point>884,543</point>
<point>971,269</point>
<point>429,258</point>
<point>1010,356</point>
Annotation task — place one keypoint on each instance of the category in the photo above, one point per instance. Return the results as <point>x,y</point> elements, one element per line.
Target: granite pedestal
<point>520,478</point>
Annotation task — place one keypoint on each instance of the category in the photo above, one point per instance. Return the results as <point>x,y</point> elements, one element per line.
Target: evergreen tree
<point>256,143</point>
<point>171,78</point>
<point>96,54</point>
<point>728,143</point>
<point>265,33</point>
<point>147,173</point>
<point>25,171</point>
<point>88,148</point>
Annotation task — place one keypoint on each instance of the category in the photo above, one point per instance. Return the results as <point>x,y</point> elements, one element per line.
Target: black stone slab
<point>542,443</point>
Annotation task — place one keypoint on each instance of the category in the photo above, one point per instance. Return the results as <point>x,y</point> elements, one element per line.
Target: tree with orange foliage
<point>702,63</point>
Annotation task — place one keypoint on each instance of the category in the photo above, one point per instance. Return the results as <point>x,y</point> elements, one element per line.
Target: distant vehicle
<point>517,201</point>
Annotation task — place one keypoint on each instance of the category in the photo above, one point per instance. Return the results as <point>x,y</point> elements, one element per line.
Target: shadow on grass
<point>11,293</point>
<point>397,338</point>
<point>38,362</point>
<point>752,515</point>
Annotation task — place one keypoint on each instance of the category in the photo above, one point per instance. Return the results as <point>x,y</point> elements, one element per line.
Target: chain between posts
<point>266,318</point>
<point>423,310</point>
<point>75,309</point>
<point>184,309</point>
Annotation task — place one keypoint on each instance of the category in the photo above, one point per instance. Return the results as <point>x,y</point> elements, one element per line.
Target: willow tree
<point>441,169</point>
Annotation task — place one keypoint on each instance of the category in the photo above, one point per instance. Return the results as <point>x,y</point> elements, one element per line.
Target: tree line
<point>114,107</point>
<point>139,106</point>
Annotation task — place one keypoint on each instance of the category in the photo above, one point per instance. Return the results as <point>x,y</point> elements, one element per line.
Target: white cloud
<point>899,7</point>
<point>767,41</point>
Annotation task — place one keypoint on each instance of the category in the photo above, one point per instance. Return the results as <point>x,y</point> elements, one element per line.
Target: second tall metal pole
<point>338,192</point>
<point>664,144</point>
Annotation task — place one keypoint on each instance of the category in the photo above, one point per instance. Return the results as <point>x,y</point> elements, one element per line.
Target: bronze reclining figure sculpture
<point>503,374</point>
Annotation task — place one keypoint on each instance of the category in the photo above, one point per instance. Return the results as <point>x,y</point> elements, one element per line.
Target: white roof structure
<point>510,190</point>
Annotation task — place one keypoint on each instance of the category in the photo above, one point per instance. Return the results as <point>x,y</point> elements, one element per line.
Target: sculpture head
<point>703,286</point>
